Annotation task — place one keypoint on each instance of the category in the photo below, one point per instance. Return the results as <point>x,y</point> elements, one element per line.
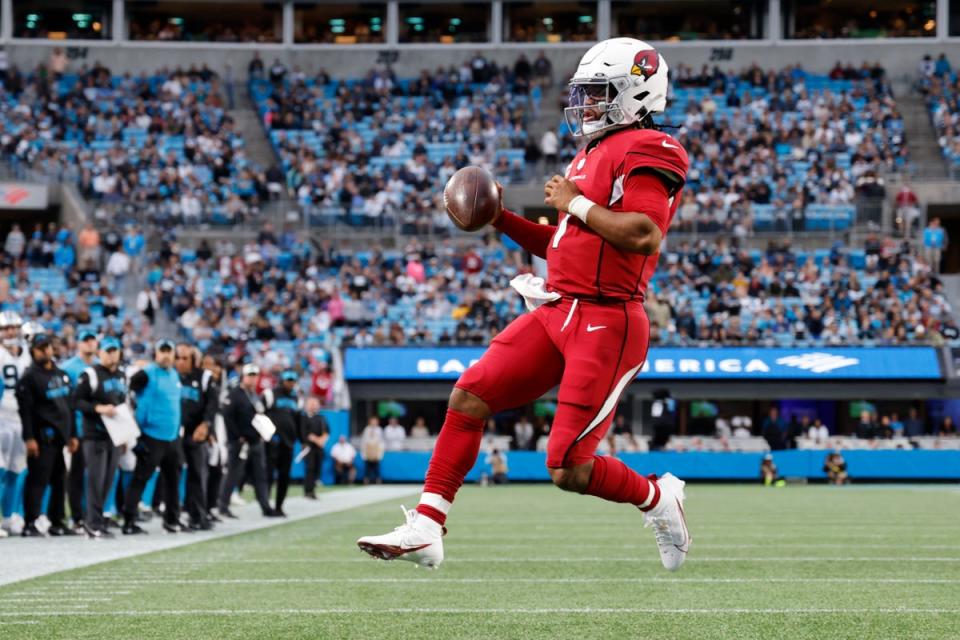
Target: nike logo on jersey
<point>591,328</point>
<point>668,145</point>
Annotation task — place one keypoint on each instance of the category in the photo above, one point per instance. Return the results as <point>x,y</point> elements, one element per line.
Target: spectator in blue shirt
<point>133,244</point>
<point>941,68</point>
<point>934,242</point>
<point>897,425</point>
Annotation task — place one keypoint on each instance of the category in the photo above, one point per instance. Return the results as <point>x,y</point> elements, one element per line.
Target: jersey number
<point>561,229</point>
<point>10,376</point>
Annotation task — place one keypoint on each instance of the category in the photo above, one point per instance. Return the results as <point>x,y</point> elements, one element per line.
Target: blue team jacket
<point>158,404</point>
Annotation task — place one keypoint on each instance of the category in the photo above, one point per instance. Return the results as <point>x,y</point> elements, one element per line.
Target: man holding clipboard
<point>247,428</point>
<point>100,393</point>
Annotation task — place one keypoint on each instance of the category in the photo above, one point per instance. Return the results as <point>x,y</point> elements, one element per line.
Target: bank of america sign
<point>775,363</point>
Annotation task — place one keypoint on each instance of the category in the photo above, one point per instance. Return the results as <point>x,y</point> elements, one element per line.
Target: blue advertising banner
<point>531,466</point>
<point>668,363</point>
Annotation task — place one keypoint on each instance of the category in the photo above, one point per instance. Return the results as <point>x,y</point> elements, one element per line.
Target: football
<point>471,198</point>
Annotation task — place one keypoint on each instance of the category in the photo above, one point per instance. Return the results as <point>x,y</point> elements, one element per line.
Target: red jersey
<point>579,261</point>
<point>322,385</point>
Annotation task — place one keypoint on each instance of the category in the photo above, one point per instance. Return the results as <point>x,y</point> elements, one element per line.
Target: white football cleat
<point>13,524</point>
<point>669,524</point>
<point>419,540</point>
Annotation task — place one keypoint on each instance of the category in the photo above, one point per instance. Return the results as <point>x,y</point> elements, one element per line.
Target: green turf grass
<point>532,562</point>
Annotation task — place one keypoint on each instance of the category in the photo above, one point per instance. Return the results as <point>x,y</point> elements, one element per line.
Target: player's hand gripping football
<point>558,192</point>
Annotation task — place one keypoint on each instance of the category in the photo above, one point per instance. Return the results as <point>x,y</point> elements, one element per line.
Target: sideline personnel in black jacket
<point>314,434</point>
<point>199,402</point>
<point>43,395</point>
<point>100,389</point>
<point>283,408</point>
<point>243,441</point>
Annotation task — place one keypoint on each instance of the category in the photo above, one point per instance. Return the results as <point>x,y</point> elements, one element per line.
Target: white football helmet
<point>621,79</point>
<point>10,323</point>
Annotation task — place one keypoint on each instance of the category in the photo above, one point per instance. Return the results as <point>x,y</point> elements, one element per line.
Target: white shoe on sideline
<point>43,523</point>
<point>236,500</point>
<point>13,524</point>
<point>669,523</point>
<point>419,540</point>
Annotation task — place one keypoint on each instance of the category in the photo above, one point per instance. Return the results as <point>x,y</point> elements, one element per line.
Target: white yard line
<point>145,613</point>
<point>557,559</point>
<point>26,558</point>
<point>405,581</point>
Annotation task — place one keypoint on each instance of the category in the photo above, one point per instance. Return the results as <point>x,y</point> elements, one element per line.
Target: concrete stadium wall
<point>899,57</point>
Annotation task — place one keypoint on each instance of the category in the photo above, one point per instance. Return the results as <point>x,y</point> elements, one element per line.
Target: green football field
<point>532,562</point>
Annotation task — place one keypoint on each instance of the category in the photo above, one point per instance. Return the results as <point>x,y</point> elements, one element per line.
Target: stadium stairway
<point>247,122</point>
<point>549,117</point>
<point>951,288</point>
<point>924,150</point>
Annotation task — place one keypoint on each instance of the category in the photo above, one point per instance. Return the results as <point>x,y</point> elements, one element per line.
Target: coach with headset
<point>157,390</point>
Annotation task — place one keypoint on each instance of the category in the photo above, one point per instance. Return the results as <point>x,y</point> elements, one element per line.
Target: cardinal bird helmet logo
<point>646,63</point>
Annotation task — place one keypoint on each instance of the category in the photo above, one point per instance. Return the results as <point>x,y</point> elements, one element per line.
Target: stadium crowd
<point>448,293</point>
<point>939,85</point>
<point>767,147</point>
<point>159,143</point>
<point>381,147</point>
<point>771,148</point>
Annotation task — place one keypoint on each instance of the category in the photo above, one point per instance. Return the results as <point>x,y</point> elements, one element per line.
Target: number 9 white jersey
<point>11,368</point>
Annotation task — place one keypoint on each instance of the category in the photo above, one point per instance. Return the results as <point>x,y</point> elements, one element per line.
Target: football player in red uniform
<point>587,330</point>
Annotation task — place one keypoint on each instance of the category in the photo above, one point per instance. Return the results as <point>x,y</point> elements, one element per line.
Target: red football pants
<point>593,351</point>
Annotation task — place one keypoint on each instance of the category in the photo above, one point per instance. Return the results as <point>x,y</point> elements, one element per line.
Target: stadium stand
<point>779,150</point>
<point>377,150</point>
<point>161,144</point>
<point>939,84</point>
<point>704,293</point>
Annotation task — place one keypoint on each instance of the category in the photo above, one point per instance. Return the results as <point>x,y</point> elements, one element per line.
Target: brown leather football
<point>471,198</point>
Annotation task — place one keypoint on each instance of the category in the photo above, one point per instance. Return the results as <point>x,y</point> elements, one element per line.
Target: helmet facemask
<point>603,96</point>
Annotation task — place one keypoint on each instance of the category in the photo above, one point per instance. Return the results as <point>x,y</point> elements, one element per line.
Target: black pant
<point>195,501</point>
<point>279,461</point>
<point>47,468</point>
<point>214,480</point>
<point>152,453</point>
<point>314,464</point>
<point>235,468</point>
<point>101,459</point>
<point>343,473</point>
<point>75,485</point>
<point>160,493</point>
<point>371,473</point>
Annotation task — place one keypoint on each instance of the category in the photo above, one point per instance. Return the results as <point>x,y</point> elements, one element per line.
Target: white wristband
<point>580,207</point>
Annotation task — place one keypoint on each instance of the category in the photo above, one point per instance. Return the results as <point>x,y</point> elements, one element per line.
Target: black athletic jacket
<point>44,399</point>
<point>98,385</point>
<point>284,412</point>
<point>199,402</point>
<point>238,412</point>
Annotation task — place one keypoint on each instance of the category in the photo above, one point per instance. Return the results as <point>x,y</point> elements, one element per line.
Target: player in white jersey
<point>14,359</point>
